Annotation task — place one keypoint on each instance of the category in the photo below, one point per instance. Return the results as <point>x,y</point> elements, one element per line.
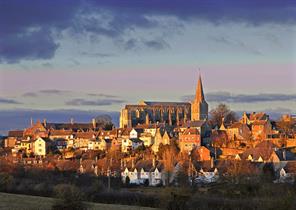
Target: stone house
<point>189,139</point>
<point>261,129</point>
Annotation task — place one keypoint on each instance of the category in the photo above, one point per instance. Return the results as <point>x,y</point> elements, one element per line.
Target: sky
<point>97,56</point>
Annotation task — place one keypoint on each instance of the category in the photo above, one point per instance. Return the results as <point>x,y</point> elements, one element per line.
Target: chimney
<point>153,162</point>
<point>44,122</point>
<point>32,122</point>
<point>133,164</point>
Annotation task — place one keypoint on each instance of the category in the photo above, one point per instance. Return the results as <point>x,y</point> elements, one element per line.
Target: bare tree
<point>169,156</point>
<point>220,112</point>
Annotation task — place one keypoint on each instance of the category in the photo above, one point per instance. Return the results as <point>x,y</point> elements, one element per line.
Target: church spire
<point>199,95</point>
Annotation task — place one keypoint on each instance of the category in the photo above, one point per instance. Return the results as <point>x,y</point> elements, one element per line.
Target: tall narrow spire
<point>199,106</point>
<point>199,95</point>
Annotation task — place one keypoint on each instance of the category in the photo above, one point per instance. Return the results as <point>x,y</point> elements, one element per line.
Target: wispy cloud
<point>157,44</point>
<point>54,92</point>
<point>238,44</point>
<point>102,95</point>
<point>96,54</point>
<point>98,102</point>
<point>30,94</point>
<point>244,98</point>
<point>9,101</point>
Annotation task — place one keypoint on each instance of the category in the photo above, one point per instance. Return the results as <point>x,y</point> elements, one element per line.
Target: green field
<point>27,202</point>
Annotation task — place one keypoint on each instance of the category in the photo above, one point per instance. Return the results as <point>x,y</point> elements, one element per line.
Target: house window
<point>40,145</point>
<point>40,150</point>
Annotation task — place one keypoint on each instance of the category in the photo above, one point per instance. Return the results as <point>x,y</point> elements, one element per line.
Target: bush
<point>6,181</point>
<point>68,197</point>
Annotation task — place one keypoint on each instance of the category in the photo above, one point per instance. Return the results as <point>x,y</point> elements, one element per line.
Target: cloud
<point>30,29</point>
<point>27,28</point>
<point>47,65</point>
<point>98,102</point>
<point>235,43</point>
<point>54,92</point>
<point>154,44</point>
<point>101,95</point>
<point>66,92</point>
<point>8,101</point>
<point>131,44</point>
<point>101,55</point>
<point>158,44</point>
<point>30,94</point>
<point>244,98</point>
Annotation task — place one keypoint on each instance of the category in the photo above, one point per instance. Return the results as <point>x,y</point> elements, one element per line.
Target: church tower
<point>199,107</point>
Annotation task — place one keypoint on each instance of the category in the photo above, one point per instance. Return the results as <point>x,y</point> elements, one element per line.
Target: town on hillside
<point>161,144</point>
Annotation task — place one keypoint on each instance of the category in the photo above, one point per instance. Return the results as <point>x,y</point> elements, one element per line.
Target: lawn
<point>27,202</point>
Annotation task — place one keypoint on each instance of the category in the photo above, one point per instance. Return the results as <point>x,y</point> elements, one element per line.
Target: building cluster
<point>158,140</point>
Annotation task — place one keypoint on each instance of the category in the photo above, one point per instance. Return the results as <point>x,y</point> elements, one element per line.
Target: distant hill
<point>20,118</point>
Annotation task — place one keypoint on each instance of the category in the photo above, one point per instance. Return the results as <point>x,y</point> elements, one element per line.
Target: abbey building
<point>172,113</point>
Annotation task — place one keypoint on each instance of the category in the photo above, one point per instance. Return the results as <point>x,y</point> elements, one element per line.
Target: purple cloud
<point>8,101</point>
<point>29,29</point>
<point>30,94</point>
<point>53,91</point>
<point>98,102</point>
<point>244,98</point>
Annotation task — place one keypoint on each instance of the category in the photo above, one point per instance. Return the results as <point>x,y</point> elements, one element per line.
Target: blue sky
<point>99,55</point>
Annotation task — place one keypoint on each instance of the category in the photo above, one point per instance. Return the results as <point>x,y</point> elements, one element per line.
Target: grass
<point>27,202</point>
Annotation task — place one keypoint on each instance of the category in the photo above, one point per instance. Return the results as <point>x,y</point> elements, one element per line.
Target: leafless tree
<point>220,112</point>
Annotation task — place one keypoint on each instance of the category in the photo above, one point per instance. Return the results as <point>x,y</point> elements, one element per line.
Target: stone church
<point>172,113</point>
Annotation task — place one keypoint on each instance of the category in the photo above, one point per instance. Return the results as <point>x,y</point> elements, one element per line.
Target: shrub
<point>68,197</point>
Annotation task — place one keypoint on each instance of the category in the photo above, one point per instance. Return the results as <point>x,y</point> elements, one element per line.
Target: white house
<point>156,176</point>
<point>39,147</point>
<point>207,176</point>
<point>130,144</point>
<point>97,144</point>
<point>135,133</point>
<point>144,171</point>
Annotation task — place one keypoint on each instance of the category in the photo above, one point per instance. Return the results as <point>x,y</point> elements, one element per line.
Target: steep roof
<point>190,131</point>
<point>264,150</point>
<point>199,94</point>
<point>258,116</point>
<point>197,123</point>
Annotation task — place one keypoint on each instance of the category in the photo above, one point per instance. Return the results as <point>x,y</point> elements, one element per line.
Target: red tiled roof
<point>16,133</point>
<point>190,131</point>
<point>60,132</point>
